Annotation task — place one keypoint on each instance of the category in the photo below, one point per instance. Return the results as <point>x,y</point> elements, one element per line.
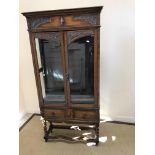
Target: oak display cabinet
<point>65,47</point>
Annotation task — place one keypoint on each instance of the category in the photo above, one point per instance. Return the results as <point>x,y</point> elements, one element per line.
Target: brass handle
<point>69,113</point>
<point>53,114</point>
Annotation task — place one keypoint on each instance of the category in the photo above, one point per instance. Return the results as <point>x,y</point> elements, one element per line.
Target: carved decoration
<point>91,19</point>
<point>73,35</point>
<point>35,22</point>
<point>62,22</point>
<point>54,36</point>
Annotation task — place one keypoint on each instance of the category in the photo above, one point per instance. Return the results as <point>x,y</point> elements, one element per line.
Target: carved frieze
<point>73,35</point>
<point>35,22</point>
<point>91,19</point>
<point>54,36</point>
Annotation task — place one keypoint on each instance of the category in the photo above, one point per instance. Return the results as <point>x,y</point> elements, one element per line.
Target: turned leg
<point>51,127</point>
<point>97,133</point>
<point>45,127</point>
<point>44,122</point>
<point>45,131</point>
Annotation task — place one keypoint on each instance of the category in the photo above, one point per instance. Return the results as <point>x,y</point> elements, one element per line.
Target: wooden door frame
<point>37,73</point>
<point>64,58</point>
<point>96,70</point>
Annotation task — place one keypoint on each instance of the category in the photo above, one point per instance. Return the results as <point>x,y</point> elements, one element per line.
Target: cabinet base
<point>49,137</point>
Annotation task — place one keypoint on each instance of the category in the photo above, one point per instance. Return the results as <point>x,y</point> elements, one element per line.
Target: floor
<point>115,139</point>
<point>24,119</point>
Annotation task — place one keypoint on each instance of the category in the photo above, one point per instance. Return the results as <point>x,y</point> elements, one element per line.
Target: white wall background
<point>22,107</point>
<point>117,55</point>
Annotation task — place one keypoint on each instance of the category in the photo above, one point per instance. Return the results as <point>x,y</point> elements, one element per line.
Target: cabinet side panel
<point>36,69</point>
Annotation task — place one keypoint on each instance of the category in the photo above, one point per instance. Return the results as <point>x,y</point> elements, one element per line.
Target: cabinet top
<point>96,9</point>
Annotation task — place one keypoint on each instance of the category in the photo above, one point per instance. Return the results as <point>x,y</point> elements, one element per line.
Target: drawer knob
<point>53,113</point>
<point>84,115</point>
<point>69,113</point>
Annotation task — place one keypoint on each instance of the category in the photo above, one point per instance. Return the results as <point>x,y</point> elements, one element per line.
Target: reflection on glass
<point>81,69</point>
<point>51,72</point>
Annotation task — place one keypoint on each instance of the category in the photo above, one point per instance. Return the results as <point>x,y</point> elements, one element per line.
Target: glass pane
<point>81,69</point>
<point>50,66</point>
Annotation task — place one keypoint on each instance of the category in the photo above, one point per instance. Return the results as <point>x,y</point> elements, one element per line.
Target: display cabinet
<point>65,47</point>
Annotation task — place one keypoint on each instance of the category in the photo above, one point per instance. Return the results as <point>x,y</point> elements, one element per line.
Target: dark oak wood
<point>78,11</point>
<point>66,68</point>
<point>56,29</point>
<point>67,26</point>
<point>54,113</point>
<point>86,115</point>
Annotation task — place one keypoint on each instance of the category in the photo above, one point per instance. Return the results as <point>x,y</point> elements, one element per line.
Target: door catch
<point>67,76</point>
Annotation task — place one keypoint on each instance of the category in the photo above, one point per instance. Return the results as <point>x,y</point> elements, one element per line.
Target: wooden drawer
<point>54,113</point>
<point>84,115</point>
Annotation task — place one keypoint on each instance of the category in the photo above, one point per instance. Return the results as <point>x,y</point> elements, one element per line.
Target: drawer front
<point>84,115</point>
<point>54,113</point>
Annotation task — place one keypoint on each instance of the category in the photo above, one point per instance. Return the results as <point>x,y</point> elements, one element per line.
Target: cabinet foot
<point>97,134</point>
<point>46,139</point>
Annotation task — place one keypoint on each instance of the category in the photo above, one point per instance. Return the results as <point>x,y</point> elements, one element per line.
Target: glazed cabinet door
<point>50,58</point>
<point>80,56</point>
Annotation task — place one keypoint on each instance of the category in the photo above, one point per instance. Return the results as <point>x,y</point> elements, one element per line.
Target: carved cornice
<point>64,11</point>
